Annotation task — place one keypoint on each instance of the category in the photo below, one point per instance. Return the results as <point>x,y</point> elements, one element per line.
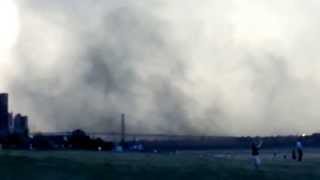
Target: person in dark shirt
<point>255,147</point>
<point>293,154</point>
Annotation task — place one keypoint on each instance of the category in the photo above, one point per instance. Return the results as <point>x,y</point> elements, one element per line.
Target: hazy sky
<point>232,67</point>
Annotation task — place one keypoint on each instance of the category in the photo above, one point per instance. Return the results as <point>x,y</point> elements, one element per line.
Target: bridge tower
<point>123,128</point>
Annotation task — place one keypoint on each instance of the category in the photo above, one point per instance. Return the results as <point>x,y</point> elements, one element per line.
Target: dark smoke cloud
<point>100,64</point>
<point>208,67</point>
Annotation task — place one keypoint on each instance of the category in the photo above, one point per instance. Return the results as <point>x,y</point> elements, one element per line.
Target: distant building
<point>4,114</point>
<point>9,123</point>
<point>20,124</point>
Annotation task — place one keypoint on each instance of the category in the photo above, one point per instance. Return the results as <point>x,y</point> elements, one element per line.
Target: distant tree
<point>79,140</point>
<point>41,142</point>
<point>17,140</point>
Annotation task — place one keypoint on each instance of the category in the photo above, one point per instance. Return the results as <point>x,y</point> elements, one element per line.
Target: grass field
<point>183,165</point>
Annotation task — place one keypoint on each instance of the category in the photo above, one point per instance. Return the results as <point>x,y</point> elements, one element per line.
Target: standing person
<point>299,150</point>
<point>293,154</point>
<point>255,147</point>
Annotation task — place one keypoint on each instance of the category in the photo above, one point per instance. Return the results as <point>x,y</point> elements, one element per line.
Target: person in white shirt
<point>299,148</point>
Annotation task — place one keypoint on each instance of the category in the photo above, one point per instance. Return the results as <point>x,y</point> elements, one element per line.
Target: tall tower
<point>4,114</point>
<point>123,128</point>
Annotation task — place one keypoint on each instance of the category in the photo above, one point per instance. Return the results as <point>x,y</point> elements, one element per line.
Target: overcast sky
<point>232,67</point>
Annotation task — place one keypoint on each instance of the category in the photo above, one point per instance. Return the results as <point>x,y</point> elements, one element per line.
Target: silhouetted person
<point>293,154</point>
<point>255,147</point>
<point>299,150</point>
<point>284,156</point>
<point>274,156</point>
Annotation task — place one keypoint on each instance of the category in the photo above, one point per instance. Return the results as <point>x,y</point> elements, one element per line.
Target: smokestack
<point>123,128</point>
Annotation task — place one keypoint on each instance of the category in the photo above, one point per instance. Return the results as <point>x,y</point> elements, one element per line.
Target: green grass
<point>185,165</point>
